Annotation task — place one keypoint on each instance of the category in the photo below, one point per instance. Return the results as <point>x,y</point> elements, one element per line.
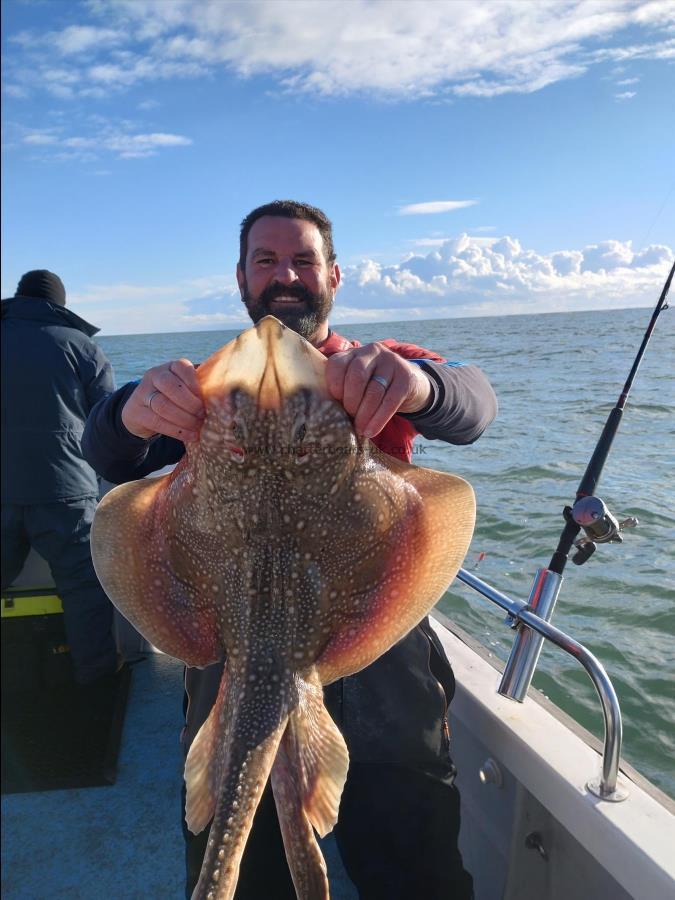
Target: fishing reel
<point>599,525</point>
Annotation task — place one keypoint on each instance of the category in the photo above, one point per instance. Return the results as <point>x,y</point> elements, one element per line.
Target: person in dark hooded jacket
<point>52,375</point>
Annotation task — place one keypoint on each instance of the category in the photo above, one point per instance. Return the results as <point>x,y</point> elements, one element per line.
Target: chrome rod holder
<point>527,645</point>
<point>606,786</point>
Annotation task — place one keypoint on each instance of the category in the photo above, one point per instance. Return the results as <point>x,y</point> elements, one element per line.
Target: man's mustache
<point>273,291</point>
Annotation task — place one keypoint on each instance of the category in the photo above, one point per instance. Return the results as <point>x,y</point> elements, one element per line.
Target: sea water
<point>557,377</point>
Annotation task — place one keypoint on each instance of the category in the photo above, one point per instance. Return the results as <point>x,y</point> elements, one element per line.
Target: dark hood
<point>46,313</point>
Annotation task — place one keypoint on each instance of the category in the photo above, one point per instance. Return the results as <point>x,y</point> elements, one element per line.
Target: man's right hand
<point>166,401</point>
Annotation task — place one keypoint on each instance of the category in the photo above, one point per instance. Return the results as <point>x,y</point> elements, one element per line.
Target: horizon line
<point>548,312</point>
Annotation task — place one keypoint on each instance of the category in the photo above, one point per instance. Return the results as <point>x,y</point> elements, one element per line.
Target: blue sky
<point>476,158</point>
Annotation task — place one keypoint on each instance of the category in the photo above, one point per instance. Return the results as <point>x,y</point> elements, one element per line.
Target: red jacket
<point>397,436</point>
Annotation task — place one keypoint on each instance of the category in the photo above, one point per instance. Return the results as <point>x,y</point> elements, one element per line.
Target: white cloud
<point>469,276</point>
<point>124,308</point>
<point>201,287</point>
<point>389,49</point>
<point>663,50</point>
<point>17,91</point>
<point>112,139</point>
<point>439,241</point>
<point>626,95</point>
<point>211,319</point>
<point>433,207</point>
<point>40,138</point>
<point>465,276</point>
<point>567,262</point>
<point>606,256</point>
<point>653,255</point>
<point>135,318</point>
<point>626,81</point>
<point>80,38</point>
<point>137,145</point>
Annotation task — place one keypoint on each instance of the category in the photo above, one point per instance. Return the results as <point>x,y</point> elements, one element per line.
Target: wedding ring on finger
<point>151,398</point>
<point>380,379</point>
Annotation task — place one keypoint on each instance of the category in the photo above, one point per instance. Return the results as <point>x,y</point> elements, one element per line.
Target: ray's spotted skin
<point>303,554</point>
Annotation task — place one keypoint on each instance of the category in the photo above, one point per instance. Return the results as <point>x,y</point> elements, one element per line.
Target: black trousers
<point>59,532</point>
<point>397,834</point>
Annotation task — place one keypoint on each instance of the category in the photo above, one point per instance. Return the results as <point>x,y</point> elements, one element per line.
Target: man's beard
<point>304,319</point>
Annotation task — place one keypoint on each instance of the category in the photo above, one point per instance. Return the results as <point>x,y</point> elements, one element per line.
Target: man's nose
<point>284,272</point>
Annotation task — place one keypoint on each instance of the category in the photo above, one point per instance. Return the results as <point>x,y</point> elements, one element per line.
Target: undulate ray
<point>299,552</point>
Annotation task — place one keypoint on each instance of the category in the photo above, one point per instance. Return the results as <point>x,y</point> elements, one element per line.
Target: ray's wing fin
<point>308,776</point>
<point>407,550</point>
<point>137,548</point>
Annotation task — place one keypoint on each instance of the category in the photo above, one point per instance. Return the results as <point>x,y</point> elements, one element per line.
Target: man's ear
<point>335,277</point>
<point>241,281</point>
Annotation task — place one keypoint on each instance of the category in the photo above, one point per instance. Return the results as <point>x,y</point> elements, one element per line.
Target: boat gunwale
<point>535,694</point>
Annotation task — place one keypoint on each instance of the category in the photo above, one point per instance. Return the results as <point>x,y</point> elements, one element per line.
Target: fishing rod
<point>532,620</point>
<point>589,512</point>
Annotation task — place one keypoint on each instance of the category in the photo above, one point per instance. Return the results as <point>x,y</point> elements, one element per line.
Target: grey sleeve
<point>461,407</point>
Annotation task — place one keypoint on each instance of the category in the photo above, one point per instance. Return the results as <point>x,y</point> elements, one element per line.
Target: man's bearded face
<point>294,305</point>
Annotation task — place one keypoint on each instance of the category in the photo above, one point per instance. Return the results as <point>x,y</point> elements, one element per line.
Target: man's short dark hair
<point>289,209</point>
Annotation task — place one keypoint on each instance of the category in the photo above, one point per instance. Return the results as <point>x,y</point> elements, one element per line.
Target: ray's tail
<point>226,770</point>
<point>245,778</point>
<point>293,737</point>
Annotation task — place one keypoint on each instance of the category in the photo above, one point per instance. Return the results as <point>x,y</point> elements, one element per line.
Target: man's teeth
<point>287,300</point>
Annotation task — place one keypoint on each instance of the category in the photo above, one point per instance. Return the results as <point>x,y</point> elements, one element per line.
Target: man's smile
<point>287,299</point>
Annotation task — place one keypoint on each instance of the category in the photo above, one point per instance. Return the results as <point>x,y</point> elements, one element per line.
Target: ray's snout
<point>269,361</point>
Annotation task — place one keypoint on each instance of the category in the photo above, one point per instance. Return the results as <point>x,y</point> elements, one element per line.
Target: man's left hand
<point>373,384</point>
